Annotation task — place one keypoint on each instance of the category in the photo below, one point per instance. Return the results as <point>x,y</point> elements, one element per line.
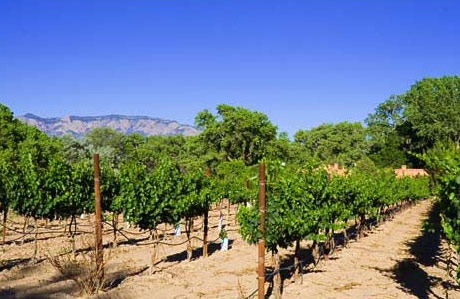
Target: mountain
<point>78,126</point>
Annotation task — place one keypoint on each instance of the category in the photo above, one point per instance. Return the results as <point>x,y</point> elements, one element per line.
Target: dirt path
<point>396,260</point>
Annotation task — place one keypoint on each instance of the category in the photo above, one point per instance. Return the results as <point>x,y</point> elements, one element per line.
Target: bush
<point>82,269</point>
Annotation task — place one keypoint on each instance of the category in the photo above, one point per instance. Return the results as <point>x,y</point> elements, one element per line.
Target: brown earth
<point>396,260</point>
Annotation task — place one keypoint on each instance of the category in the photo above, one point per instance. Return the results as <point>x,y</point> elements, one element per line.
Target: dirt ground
<point>396,260</point>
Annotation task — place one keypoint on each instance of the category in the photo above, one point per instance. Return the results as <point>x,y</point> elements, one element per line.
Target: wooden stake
<point>4,226</point>
<point>277,276</point>
<point>35,240</point>
<point>188,228</point>
<point>98,229</point>
<point>26,223</point>
<point>115,224</point>
<point>296,259</point>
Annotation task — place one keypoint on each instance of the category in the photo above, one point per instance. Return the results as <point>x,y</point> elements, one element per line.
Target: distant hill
<point>78,126</point>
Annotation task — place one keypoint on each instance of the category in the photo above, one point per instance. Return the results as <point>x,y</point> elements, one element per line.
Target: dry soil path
<point>396,260</point>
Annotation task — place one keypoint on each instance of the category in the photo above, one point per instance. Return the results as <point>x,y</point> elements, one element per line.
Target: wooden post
<point>35,240</point>
<point>115,227</point>
<point>5,215</point>
<point>97,204</point>
<point>26,224</point>
<point>228,211</point>
<point>72,235</point>
<point>261,266</point>
<point>277,276</point>
<point>207,172</point>
<point>326,247</point>
<point>188,229</point>
<point>296,259</point>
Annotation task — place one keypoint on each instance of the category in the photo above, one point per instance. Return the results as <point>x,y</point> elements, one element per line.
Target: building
<point>411,172</point>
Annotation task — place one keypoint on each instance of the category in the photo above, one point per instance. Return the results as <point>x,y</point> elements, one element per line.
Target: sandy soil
<point>395,260</point>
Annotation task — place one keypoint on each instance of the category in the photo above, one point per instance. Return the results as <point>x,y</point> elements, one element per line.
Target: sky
<point>303,63</point>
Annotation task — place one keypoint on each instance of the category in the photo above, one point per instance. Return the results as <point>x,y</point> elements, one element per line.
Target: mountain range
<point>78,126</point>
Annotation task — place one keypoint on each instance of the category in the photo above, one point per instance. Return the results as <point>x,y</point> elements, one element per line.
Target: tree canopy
<point>343,142</point>
<point>432,110</point>
<point>236,132</point>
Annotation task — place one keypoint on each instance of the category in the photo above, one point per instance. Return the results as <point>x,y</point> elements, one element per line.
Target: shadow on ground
<point>182,256</point>
<point>54,288</point>
<point>427,251</point>
<point>412,279</point>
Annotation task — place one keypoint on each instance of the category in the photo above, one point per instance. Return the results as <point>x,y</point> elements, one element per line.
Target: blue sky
<point>301,62</point>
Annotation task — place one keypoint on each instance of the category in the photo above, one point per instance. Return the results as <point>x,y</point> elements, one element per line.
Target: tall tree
<point>385,129</point>
<point>432,111</point>
<point>343,142</point>
<point>413,122</point>
<point>236,132</point>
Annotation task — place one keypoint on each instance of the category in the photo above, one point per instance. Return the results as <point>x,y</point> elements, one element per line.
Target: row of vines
<point>40,179</point>
<point>308,203</point>
<point>443,163</point>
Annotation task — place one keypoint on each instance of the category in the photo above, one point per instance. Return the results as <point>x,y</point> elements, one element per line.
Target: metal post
<point>97,204</point>
<point>261,270</point>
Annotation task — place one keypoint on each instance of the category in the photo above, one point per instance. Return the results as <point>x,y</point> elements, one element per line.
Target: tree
<point>343,142</point>
<point>287,151</point>
<point>236,132</point>
<point>108,143</point>
<point>385,128</point>
<point>414,121</point>
<point>432,111</point>
<point>74,150</point>
<point>154,148</point>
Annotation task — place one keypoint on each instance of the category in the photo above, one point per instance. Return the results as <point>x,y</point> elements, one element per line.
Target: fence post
<point>261,264</point>
<point>97,204</point>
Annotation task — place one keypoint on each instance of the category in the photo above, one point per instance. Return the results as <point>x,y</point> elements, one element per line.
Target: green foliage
<point>306,203</point>
<point>343,142</point>
<point>230,180</point>
<point>148,198</point>
<point>384,128</point>
<point>74,150</point>
<point>432,109</point>
<point>110,188</point>
<point>12,133</point>
<point>443,164</point>
<point>413,122</point>
<point>164,194</point>
<point>37,178</point>
<point>80,195</point>
<point>157,180</point>
<point>236,132</point>
<point>366,165</point>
